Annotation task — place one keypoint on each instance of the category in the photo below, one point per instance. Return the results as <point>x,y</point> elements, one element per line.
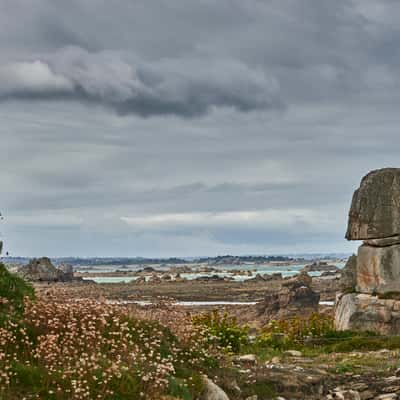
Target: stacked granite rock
<point>371,280</point>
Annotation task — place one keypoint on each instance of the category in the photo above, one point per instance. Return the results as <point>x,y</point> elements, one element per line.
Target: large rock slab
<point>375,208</point>
<point>378,269</point>
<point>364,312</point>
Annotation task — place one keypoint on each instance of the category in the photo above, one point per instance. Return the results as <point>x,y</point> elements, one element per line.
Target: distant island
<point>218,260</point>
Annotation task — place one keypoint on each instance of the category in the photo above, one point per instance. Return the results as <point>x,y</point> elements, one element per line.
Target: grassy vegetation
<point>89,350</point>
<point>54,348</point>
<point>13,290</point>
<point>57,348</point>
<point>315,336</point>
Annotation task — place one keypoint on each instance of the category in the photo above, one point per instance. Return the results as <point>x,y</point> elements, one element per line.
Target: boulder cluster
<point>42,270</point>
<point>370,281</point>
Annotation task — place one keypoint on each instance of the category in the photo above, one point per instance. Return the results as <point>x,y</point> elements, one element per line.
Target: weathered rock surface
<point>211,391</point>
<point>348,275</point>
<point>42,270</point>
<point>375,208</point>
<point>293,353</point>
<point>339,394</point>
<point>388,396</point>
<point>378,269</point>
<point>389,241</point>
<point>359,311</point>
<point>247,358</point>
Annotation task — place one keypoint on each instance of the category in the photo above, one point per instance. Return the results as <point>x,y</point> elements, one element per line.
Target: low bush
<point>223,329</point>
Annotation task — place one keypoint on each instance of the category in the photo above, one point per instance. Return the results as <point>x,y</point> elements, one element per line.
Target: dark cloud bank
<point>185,88</point>
<point>192,127</point>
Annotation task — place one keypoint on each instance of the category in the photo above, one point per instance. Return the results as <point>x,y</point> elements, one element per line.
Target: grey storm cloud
<point>181,87</point>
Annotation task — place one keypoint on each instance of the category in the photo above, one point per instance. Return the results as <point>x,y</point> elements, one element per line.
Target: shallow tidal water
<point>286,271</point>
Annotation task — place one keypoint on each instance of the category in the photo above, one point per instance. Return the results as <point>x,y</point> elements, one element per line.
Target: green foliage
<point>27,378</point>
<point>343,368</point>
<point>178,389</point>
<point>363,342</point>
<point>316,335</point>
<point>224,329</point>
<point>262,388</point>
<point>127,385</point>
<point>13,290</point>
<point>282,333</point>
<point>186,384</point>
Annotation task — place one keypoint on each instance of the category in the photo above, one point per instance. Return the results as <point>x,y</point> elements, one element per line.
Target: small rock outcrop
<point>302,279</point>
<point>374,274</point>
<point>295,294</point>
<point>67,272</point>
<point>319,266</point>
<point>211,391</point>
<point>42,270</point>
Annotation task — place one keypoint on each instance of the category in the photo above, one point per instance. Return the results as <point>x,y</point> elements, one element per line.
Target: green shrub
<point>28,378</point>
<point>343,368</point>
<point>13,290</point>
<point>224,329</point>
<point>186,384</point>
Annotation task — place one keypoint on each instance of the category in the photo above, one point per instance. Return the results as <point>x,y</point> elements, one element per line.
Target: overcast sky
<point>180,127</point>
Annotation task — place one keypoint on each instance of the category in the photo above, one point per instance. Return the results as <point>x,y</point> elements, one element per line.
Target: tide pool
<point>111,279</point>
